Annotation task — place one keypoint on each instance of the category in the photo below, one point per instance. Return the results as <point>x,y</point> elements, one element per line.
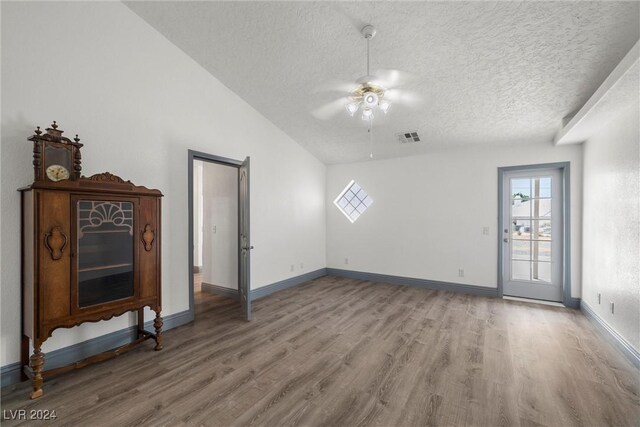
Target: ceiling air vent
<point>408,137</point>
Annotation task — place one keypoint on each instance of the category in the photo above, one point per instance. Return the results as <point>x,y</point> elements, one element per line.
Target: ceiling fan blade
<point>394,78</point>
<point>403,97</point>
<point>334,86</point>
<point>330,109</point>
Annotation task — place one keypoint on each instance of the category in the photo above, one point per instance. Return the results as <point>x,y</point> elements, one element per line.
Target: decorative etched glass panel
<point>105,251</point>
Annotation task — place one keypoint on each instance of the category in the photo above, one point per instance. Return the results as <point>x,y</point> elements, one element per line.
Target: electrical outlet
<point>485,230</point>
<point>611,306</point>
<point>599,298</point>
<point>346,260</point>
<point>460,272</point>
<point>292,267</point>
<point>215,229</point>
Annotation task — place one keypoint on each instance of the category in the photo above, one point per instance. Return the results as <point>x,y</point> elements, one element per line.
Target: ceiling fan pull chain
<point>370,130</point>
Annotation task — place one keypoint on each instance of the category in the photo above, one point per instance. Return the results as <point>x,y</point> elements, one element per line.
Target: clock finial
<point>54,125</point>
<point>38,131</point>
<point>76,139</point>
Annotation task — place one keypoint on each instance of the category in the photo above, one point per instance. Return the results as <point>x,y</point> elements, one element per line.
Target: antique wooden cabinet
<point>90,251</point>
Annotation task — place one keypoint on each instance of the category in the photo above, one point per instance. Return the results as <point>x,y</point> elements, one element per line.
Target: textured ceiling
<point>487,72</point>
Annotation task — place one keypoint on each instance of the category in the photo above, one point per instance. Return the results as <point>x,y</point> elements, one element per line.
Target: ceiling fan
<point>371,94</point>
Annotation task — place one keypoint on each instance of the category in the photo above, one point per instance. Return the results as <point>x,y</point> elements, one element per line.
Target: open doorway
<point>216,229</point>
<point>219,230</point>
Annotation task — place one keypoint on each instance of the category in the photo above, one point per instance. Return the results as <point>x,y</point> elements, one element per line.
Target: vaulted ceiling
<point>485,72</point>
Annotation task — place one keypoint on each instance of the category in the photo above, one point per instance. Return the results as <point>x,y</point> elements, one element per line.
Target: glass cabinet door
<point>105,251</point>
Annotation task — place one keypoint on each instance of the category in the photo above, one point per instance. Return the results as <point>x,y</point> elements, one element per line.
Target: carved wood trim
<point>148,236</point>
<point>108,177</point>
<point>55,241</point>
<point>77,160</point>
<point>54,134</point>
<point>37,159</point>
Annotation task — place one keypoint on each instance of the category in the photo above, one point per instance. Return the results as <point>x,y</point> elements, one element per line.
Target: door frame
<point>205,157</point>
<point>565,170</point>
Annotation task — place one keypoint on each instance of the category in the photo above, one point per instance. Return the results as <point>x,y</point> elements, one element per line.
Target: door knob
<point>506,240</point>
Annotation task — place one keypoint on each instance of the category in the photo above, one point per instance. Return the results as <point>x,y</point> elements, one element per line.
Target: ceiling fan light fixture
<point>370,99</point>
<point>369,93</point>
<point>352,107</point>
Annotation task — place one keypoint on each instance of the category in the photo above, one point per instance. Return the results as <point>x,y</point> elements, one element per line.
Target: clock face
<point>57,173</point>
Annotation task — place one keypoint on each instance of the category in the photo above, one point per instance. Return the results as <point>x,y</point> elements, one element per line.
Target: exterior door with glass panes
<point>532,234</point>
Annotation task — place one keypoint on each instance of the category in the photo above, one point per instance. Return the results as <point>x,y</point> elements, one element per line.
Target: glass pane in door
<point>521,250</point>
<point>520,270</point>
<point>105,251</point>
<point>520,229</point>
<point>541,271</point>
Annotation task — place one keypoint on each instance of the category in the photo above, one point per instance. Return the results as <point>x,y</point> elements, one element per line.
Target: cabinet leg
<point>37,362</point>
<point>157,324</point>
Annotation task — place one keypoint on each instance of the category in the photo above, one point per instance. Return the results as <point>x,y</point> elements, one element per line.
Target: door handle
<point>506,240</point>
<point>246,248</point>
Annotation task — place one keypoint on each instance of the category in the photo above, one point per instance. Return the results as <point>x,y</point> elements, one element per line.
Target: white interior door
<point>245,240</point>
<point>532,234</point>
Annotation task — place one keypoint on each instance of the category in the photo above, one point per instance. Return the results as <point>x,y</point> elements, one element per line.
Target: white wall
<point>611,224</point>
<point>428,212</point>
<point>139,104</point>
<point>220,225</point>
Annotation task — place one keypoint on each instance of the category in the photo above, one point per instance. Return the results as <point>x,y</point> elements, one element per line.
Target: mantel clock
<point>55,157</point>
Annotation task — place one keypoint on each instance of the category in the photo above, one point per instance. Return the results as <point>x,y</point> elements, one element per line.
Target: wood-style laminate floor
<point>342,352</point>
